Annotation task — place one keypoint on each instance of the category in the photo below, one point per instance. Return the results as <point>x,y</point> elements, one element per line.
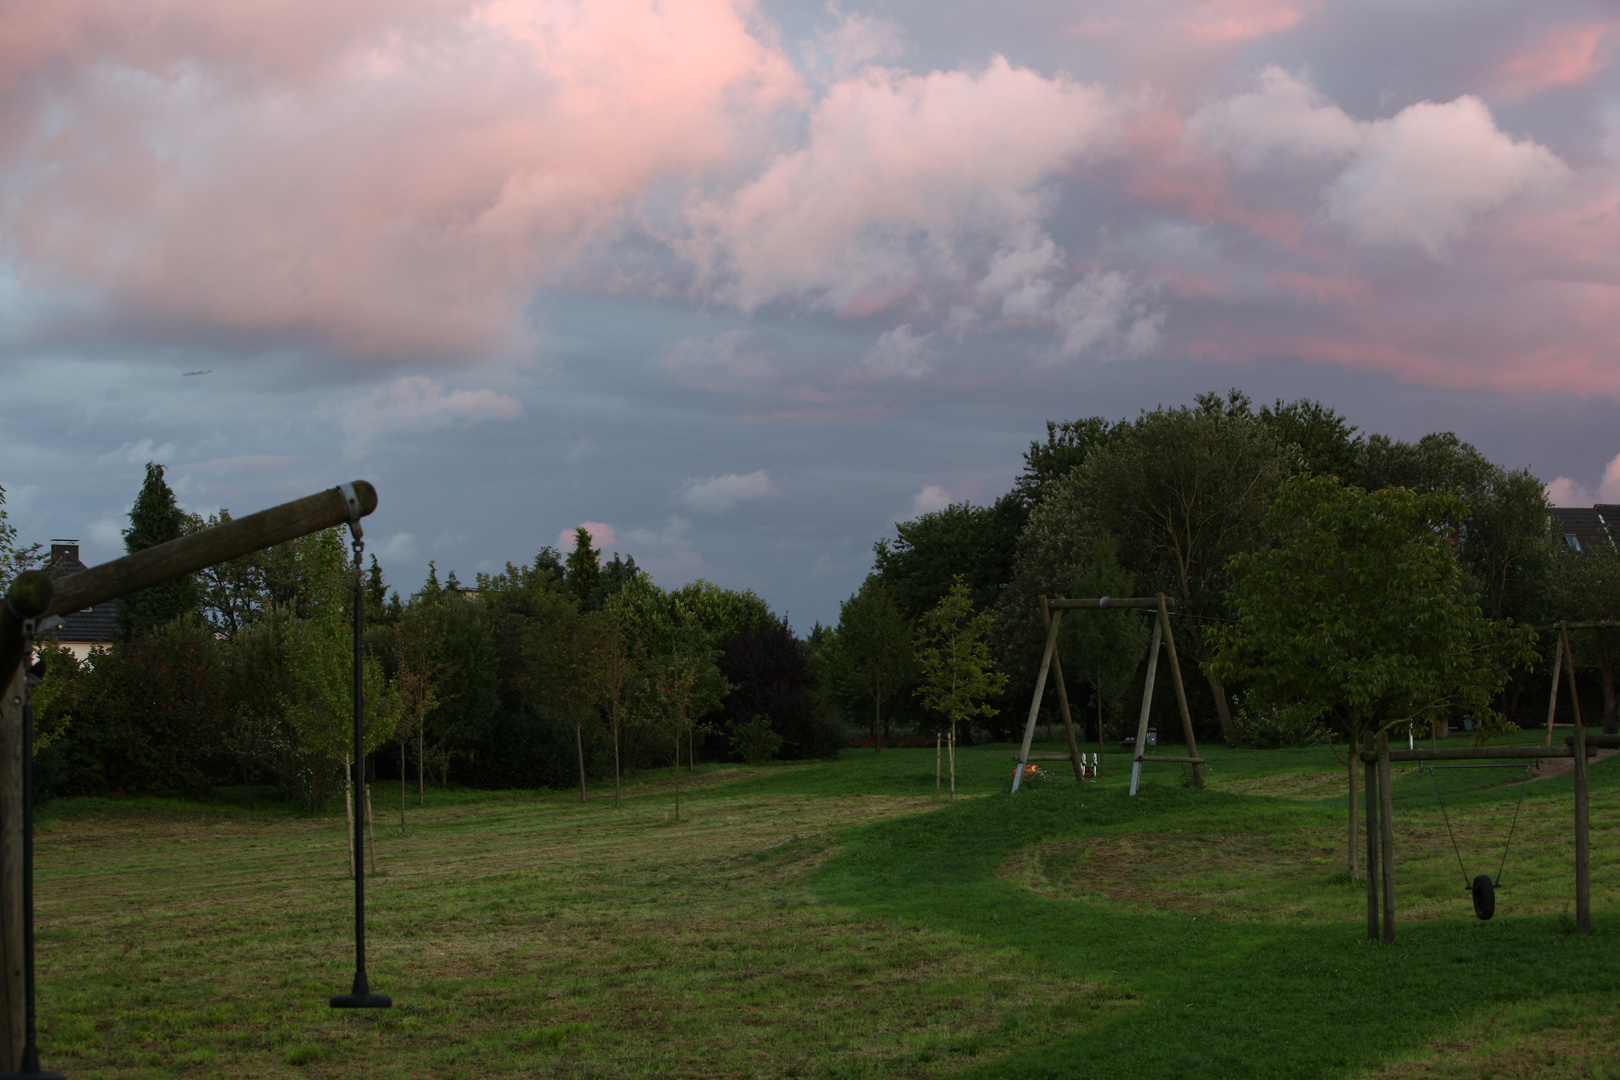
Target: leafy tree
<point>1068,444</point>
<point>771,676</point>
<point>13,560</point>
<point>674,699</point>
<point>870,653</point>
<point>976,543</point>
<point>321,660</point>
<point>1176,493</point>
<point>155,519</point>
<point>566,665</point>
<point>1585,587</point>
<point>1327,443</point>
<point>614,673</point>
<point>1103,649</point>
<point>957,673</point>
<point>754,741</point>
<point>1359,619</point>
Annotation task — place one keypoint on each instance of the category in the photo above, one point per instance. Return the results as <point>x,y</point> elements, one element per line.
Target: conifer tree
<point>583,569</point>
<point>155,519</point>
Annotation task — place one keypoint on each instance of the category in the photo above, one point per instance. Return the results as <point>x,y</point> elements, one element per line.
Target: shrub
<point>754,741</point>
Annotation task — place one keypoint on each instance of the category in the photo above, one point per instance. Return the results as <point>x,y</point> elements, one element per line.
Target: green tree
<point>1585,587</point>
<point>954,661</point>
<point>584,569</point>
<point>321,659</point>
<point>155,519</point>
<point>976,543</point>
<point>1102,649</point>
<point>1358,618</point>
<point>870,653</point>
<point>13,560</point>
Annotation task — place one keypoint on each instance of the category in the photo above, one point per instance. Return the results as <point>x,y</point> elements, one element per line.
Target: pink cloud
<point>382,179</point>
<point>1565,57</point>
<point>1564,491</point>
<point>902,181</point>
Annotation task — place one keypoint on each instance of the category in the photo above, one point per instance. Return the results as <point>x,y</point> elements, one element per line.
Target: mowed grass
<point>834,920</point>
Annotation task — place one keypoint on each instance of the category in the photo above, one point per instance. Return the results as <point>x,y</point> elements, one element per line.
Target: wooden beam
<point>1147,703</point>
<point>1552,698</point>
<point>1035,703</point>
<point>1150,603</point>
<point>1386,830</point>
<point>1063,695</point>
<point>1475,753</point>
<point>1181,693</point>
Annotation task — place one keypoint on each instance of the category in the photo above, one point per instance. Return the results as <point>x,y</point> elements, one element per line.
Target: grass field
<point>834,920</point>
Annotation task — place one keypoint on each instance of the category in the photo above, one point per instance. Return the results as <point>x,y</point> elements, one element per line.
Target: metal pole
<point>361,996</point>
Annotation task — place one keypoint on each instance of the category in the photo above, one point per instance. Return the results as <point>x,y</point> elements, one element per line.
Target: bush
<point>754,741</point>
<point>1273,729</point>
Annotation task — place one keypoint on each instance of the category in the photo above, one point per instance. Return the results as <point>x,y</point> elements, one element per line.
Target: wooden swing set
<point>34,605</point>
<point>1052,609</point>
<point>1376,758</point>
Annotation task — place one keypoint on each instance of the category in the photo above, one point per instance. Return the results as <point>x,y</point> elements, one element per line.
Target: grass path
<point>832,920</point>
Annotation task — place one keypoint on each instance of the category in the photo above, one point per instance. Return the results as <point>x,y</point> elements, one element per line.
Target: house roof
<point>94,625</point>
<point>1587,528</point>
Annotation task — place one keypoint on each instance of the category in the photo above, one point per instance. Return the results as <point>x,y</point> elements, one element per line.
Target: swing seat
<point>1484,891</point>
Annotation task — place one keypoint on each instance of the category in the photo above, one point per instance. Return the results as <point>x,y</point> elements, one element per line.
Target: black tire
<point>1484,896</point>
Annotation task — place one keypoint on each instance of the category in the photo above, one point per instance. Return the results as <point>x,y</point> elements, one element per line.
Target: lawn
<point>835,920</point>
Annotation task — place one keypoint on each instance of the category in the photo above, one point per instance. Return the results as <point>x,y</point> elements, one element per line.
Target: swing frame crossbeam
<point>1376,759</point>
<point>34,605</point>
<point>1052,609</point>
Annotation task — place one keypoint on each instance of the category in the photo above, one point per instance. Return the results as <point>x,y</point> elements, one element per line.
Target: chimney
<point>65,557</point>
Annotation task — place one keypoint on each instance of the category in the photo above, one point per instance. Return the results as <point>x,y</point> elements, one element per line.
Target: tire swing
<point>1481,886</point>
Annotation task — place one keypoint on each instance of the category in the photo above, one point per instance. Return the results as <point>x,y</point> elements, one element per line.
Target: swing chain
<point>1467,882</point>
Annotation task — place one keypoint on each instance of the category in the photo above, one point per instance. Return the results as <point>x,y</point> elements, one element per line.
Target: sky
<point>737,285</point>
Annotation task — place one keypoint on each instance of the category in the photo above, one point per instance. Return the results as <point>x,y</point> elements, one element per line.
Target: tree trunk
<point>677,775</point>
<point>615,764</point>
<point>691,749</point>
<point>1351,759</point>
<point>421,778</point>
<point>402,787</point>
<point>953,761</point>
<point>936,764</point>
<point>579,746</point>
<point>1228,729</point>
<point>1611,725</point>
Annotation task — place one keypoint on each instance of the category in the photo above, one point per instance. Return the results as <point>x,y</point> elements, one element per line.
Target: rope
<point>1468,882</point>
<point>1447,817</point>
<point>1513,826</point>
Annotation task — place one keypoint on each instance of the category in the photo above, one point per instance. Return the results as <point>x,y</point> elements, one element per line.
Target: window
<point>1572,541</point>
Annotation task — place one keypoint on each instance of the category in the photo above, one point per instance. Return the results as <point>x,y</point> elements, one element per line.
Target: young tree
<point>870,652</point>
<point>1358,618</point>
<point>614,673</point>
<point>671,704</point>
<point>957,673</point>
<point>155,519</point>
<point>417,679</point>
<point>566,680</point>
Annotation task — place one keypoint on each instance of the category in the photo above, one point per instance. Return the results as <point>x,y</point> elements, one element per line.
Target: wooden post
<point>11,856</point>
<point>936,764</point>
<point>1035,703</point>
<point>1558,670</point>
<point>1369,774</point>
<point>953,761</point>
<point>1147,703</point>
<point>1386,829</point>
<point>1063,693</point>
<point>371,830</point>
<point>348,808</point>
<point>1583,836</point>
<point>1181,692</point>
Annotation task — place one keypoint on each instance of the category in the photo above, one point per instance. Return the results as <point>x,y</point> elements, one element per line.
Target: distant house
<point>92,628</point>
<point>1587,529</point>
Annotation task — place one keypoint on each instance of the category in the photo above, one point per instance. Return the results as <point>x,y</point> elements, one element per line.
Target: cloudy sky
<point>741,284</point>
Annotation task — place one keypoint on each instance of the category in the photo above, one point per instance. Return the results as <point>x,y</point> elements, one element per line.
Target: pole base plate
<point>362,1001</point>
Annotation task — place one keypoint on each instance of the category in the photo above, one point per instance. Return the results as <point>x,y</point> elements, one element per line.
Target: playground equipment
<point>34,605</point>
<point>1052,610</point>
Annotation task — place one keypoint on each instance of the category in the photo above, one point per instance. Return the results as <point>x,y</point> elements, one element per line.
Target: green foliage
<point>954,660</point>
<point>976,543</point>
<point>1358,617</point>
<point>155,519</point>
<point>583,567</point>
<point>754,741</point>
<point>1068,444</point>
<point>869,656</point>
<point>1102,649</point>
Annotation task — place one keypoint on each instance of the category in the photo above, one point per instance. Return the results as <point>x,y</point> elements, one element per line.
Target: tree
<point>870,652</point>
<point>417,676</point>
<point>1103,648</point>
<point>1068,444</point>
<point>957,673</point>
<point>321,655</point>
<point>1358,618</point>
<point>979,544</point>
<point>584,568</point>
<point>614,672</point>
<point>567,678</point>
<point>1585,587</point>
<point>672,703</point>
<point>13,560</point>
<point>771,676</point>
<point>155,519</point>
<point>1176,493</point>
